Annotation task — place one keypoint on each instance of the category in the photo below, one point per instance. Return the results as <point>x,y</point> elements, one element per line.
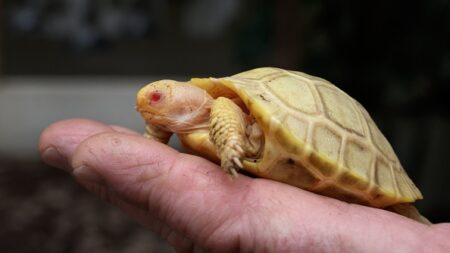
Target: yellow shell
<point>317,137</point>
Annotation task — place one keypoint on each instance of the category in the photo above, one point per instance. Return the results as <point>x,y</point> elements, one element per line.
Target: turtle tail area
<point>409,211</point>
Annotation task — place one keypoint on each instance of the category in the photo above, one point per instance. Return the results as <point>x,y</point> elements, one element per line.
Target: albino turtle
<point>283,125</point>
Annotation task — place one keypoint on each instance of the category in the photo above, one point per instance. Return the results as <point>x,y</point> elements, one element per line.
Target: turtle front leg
<point>227,133</point>
<point>156,134</point>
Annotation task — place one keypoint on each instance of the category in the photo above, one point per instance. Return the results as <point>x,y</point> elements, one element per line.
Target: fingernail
<point>87,175</point>
<point>53,157</point>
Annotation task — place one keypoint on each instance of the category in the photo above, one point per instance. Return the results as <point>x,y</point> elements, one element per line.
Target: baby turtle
<point>286,126</point>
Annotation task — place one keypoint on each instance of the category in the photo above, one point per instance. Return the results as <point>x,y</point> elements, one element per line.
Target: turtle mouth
<point>146,114</point>
<point>173,124</point>
<point>151,118</point>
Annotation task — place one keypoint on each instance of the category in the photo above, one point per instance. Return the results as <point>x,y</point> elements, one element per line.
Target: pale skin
<point>192,204</point>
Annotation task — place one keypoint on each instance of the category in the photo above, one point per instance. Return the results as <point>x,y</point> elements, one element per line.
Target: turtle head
<point>174,106</point>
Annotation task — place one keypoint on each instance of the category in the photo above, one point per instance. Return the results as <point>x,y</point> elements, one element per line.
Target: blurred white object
<point>28,105</point>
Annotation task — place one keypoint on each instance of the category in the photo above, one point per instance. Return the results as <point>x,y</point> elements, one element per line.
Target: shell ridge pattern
<point>354,127</point>
<point>405,190</point>
<point>395,182</point>
<point>280,116</point>
<point>373,183</point>
<point>344,137</point>
<point>357,137</point>
<point>342,167</point>
<point>285,98</point>
<point>314,120</point>
<point>320,103</point>
<point>335,91</point>
<point>367,135</point>
<point>368,138</point>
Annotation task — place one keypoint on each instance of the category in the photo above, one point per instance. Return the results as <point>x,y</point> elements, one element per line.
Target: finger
<point>187,193</point>
<point>124,130</point>
<point>59,140</point>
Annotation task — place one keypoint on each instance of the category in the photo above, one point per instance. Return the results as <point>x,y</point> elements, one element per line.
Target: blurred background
<point>87,58</point>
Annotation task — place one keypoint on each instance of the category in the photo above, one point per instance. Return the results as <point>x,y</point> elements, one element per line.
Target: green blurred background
<point>81,58</point>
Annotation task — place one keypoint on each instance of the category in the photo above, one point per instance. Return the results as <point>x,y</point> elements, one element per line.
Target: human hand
<point>196,207</point>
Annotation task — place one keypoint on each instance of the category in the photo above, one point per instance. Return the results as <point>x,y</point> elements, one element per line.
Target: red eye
<point>155,97</point>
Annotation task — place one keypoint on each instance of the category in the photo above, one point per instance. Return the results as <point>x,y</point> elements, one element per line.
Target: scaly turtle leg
<point>410,211</point>
<point>157,134</point>
<point>228,127</point>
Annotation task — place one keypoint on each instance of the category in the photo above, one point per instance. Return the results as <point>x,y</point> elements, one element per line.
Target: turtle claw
<point>231,166</point>
<point>241,151</point>
<point>235,166</point>
<point>238,163</point>
<point>233,173</point>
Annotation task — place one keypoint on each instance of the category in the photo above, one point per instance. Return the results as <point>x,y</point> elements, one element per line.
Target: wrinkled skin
<point>191,203</point>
